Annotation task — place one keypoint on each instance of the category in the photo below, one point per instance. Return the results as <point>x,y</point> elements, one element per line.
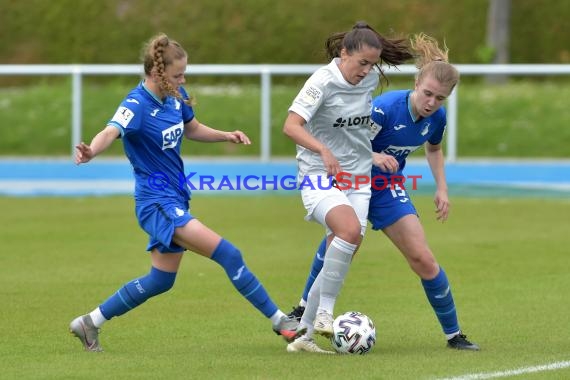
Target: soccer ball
<point>353,333</point>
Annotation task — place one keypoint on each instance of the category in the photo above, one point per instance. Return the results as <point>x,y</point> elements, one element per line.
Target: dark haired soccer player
<point>403,122</point>
<point>329,121</point>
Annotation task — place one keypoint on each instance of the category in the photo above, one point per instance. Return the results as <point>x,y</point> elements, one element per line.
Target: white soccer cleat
<point>305,344</point>
<point>289,328</point>
<point>84,329</point>
<point>324,324</point>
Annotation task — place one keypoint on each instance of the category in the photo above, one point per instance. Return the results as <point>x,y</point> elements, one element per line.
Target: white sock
<point>276,318</point>
<point>335,268</point>
<point>303,303</point>
<point>308,318</point>
<point>449,336</point>
<point>97,317</point>
<point>310,330</point>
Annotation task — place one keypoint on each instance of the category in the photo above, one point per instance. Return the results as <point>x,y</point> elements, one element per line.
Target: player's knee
<point>350,234</point>
<point>161,281</point>
<point>164,286</point>
<point>424,264</point>
<point>227,255</point>
<point>234,256</point>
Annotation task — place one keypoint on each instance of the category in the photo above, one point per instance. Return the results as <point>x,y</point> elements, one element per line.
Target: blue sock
<point>230,258</point>
<point>316,267</point>
<point>439,295</point>
<point>135,292</point>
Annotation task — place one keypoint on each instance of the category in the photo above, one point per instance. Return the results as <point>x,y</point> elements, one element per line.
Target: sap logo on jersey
<point>397,151</point>
<point>171,136</point>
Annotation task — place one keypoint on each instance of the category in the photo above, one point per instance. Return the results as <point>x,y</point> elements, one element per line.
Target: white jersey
<point>337,114</point>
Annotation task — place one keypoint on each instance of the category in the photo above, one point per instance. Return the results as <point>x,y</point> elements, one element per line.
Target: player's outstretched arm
<point>85,153</point>
<point>194,130</point>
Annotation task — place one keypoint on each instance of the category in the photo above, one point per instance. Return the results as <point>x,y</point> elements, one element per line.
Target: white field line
<point>512,372</point>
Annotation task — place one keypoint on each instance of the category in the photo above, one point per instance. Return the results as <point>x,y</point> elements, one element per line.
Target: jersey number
<point>398,192</point>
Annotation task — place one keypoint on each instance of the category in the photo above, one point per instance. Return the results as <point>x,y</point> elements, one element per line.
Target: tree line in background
<point>276,31</point>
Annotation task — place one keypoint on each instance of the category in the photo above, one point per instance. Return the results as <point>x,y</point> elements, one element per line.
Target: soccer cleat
<point>460,342</point>
<point>306,344</point>
<point>83,328</point>
<point>324,324</point>
<point>297,312</point>
<point>289,328</point>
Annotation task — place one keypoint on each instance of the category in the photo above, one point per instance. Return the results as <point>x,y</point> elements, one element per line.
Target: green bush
<point>262,31</point>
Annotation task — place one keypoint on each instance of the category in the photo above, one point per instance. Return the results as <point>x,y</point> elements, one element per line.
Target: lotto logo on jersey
<point>352,121</point>
<point>123,116</point>
<point>171,136</point>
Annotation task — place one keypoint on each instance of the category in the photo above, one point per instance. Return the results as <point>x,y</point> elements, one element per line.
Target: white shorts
<point>318,202</point>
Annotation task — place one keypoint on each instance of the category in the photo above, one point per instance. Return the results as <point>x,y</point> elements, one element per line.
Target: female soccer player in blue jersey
<point>403,121</point>
<point>329,121</point>
<point>151,121</point>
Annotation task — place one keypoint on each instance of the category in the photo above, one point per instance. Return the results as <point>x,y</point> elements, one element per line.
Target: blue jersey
<point>397,134</point>
<point>152,132</point>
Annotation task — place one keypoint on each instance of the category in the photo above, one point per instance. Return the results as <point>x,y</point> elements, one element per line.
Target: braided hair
<point>159,52</point>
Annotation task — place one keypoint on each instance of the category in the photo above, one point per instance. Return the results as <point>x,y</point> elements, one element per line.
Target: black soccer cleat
<point>297,312</point>
<point>460,342</point>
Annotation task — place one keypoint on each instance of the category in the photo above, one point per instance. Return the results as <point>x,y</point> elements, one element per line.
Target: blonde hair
<point>433,60</point>
<point>159,52</point>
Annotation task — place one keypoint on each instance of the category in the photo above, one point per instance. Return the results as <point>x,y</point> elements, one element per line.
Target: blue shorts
<point>159,219</point>
<point>387,206</point>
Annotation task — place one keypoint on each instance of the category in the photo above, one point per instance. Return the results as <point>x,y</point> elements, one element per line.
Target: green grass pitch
<point>507,260</point>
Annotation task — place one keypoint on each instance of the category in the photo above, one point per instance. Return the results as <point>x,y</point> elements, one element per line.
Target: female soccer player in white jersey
<point>403,122</point>
<point>151,121</point>
<point>329,121</point>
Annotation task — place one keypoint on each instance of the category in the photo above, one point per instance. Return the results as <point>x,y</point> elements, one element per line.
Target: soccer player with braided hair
<point>152,121</point>
<point>404,121</point>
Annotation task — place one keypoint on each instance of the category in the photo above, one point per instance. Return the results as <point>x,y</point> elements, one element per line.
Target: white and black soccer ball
<point>353,333</point>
